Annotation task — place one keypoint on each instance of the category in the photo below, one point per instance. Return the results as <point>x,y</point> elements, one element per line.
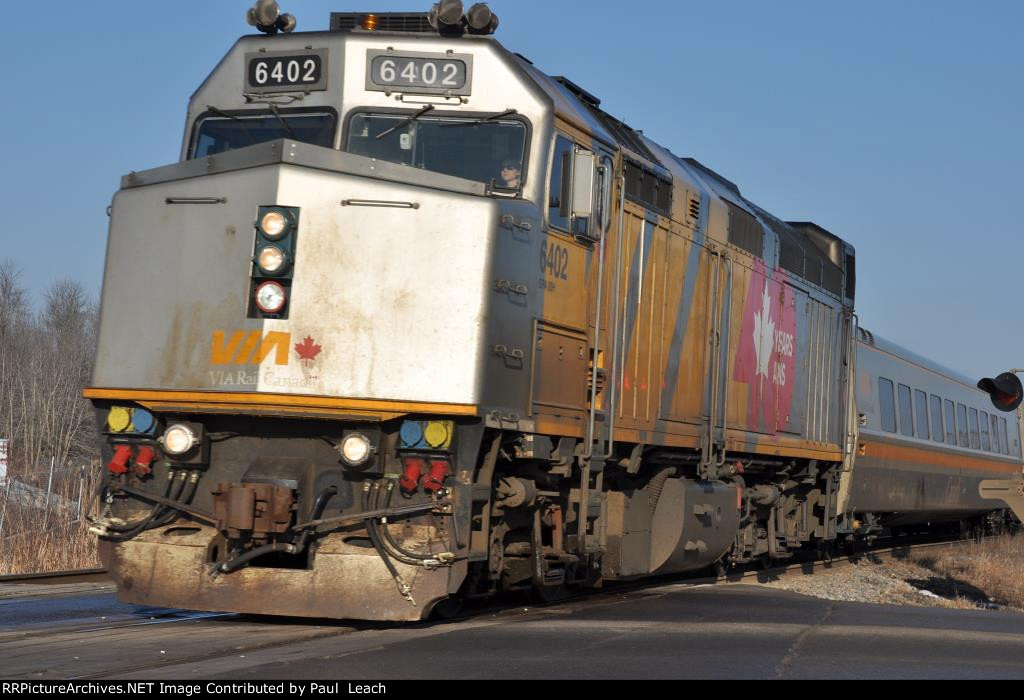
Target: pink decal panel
<point>766,359</point>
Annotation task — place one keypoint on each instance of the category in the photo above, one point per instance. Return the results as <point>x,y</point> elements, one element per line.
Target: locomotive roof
<point>582,108</point>
<point>808,238</point>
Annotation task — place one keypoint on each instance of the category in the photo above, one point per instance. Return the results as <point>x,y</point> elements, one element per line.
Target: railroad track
<point>59,577</point>
<point>88,649</point>
<point>60,583</point>
<point>887,551</point>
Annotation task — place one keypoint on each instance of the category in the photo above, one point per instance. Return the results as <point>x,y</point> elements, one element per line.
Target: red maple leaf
<point>308,349</point>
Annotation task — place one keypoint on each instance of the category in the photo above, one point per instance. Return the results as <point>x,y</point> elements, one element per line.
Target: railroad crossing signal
<point>1006,391</point>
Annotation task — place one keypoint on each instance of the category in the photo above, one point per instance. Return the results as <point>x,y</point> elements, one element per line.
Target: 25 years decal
<point>766,357</point>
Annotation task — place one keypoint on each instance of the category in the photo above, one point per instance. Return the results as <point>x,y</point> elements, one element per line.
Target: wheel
<point>548,595</point>
<point>447,609</point>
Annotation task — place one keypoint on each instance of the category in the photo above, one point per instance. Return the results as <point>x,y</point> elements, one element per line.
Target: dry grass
<point>36,539</point>
<point>63,546</point>
<point>992,566</point>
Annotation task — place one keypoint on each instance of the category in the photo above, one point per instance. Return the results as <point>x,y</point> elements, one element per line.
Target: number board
<point>286,71</point>
<point>419,73</point>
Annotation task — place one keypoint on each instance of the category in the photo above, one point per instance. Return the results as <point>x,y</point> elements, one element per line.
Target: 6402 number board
<point>419,73</point>
<point>286,71</point>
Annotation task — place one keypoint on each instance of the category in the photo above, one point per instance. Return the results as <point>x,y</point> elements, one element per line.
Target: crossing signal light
<point>1006,391</point>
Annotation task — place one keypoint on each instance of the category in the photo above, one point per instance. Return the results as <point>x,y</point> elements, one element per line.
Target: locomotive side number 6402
<point>270,72</point>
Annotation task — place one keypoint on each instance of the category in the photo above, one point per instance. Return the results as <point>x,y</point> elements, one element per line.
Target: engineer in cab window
<point>511,174</point>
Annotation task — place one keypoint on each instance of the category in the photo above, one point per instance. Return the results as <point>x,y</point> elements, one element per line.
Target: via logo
<point>250,348</point>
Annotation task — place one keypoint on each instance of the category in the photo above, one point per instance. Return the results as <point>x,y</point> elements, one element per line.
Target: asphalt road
<point>672,632</point>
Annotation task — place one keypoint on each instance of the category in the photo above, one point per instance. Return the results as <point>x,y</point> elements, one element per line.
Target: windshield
<point>222,133</point>
<point>485,150</point>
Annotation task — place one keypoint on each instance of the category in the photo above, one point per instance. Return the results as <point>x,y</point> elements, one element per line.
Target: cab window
<point>221,132</point>
<point>559,207</point>
<point>487,150</point>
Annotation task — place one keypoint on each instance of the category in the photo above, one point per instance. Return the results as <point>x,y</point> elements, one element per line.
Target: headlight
<point>178,440</point>
<point>355,450</point>
<point>270,298</point>
<point>274,225</point>
<point>271,260</point>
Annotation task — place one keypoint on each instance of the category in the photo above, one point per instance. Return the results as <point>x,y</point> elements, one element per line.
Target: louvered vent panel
<point>832,279</point>
<point>408,22</point>
<point>648,189</point>
<point>694,208</point>
<point>791,258</point>
<point>851,277</point>
<point>744,231</point>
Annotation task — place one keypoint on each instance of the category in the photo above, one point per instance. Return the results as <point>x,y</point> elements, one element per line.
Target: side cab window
<point>559,206</point>
<point>579,184</point>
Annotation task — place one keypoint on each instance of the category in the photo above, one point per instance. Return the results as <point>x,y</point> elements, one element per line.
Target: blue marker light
<point>143,421</point>
<point>411,434</point>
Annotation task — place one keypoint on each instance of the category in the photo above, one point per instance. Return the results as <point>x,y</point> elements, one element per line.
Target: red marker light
<point>271,298</point>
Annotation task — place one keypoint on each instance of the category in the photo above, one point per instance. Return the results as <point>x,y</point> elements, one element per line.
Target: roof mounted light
<point>266,16</point>
<point>446,14</point>
<point>481,20</point>
<point>449,17</point>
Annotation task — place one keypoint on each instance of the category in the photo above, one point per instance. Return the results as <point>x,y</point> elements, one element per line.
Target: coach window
<point>985,443</point>
<point>961,424</point>
<point>887,405</point>
<point>936,418</point>
<point>906,411</point>
<point>995,433</point>
<point>950,422</point>
<point>1002,436</point>
<point>561,184</point>
<point>975,441</point>
<point>922,415</point>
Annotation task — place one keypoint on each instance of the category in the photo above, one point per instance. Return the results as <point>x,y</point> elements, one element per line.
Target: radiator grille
<point>409,22</point>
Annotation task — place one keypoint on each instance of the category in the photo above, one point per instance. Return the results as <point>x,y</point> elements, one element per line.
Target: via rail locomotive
<point>412,322</point>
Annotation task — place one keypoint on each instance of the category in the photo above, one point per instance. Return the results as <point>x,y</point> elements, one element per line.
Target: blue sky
<point>896,125</point>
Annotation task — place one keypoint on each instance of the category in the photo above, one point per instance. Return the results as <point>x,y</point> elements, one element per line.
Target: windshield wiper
<point>232,117</point>
<point>273,109</point>
<point>493,119</point>
<point>222,113</point>
<point>405,122</point>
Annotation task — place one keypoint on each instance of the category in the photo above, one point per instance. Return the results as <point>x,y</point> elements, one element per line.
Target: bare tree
<point>15,321</point>
<point>45,362</point>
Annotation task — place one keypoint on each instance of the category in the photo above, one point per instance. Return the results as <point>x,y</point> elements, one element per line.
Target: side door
<point>562,340</point>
